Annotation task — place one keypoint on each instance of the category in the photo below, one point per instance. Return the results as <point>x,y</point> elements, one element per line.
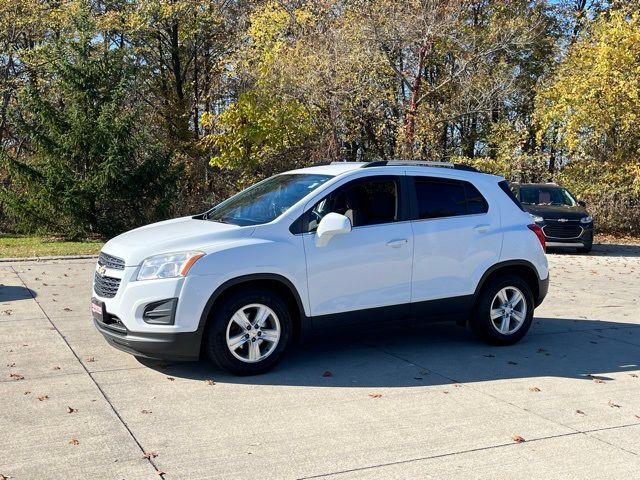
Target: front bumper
<point>184,346</point>
<point>556,238</point>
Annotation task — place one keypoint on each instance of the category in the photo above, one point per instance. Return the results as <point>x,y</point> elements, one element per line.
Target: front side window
<point>267,200</point>
<point>546,196</point>
<point>438,198</point>
<point>364,202</point>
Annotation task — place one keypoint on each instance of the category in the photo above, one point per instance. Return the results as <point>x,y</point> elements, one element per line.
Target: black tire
<point>585,249</point>
<point>215,342</point>
<point>481,323</point>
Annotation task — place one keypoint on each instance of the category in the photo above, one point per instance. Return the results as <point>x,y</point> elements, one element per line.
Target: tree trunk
<point>410,117</point>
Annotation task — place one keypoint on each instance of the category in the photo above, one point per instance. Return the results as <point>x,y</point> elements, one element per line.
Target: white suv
<point>324,247</point>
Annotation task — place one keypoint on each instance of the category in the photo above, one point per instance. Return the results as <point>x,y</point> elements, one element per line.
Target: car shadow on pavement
<point>442,354</point>
<point>602,250</point>
<point>11,293</point>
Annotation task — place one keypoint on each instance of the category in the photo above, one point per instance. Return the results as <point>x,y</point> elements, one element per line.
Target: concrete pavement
<point>407,403</point>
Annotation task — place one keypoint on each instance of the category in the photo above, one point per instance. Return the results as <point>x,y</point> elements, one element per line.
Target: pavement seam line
<point>464,384</point>
<point>441,455</point>
<point>102,392</point>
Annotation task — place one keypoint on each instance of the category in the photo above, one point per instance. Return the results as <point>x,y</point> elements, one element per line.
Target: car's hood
<point>180,234</point>
<point>554,212</point>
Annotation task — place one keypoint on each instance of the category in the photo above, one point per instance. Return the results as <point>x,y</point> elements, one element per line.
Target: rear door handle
<point>397,243</point>
<point>482,228</point>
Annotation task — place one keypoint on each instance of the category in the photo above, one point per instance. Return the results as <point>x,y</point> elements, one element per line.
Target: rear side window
<point>476,203</point>
<point>504,186</point>
<point>438,198</point>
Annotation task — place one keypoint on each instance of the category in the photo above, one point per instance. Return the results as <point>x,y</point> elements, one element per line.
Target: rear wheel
<point>504,311</point>
<point>249,332</point>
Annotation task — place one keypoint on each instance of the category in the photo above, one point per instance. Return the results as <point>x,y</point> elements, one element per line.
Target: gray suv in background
<point>564,220</point>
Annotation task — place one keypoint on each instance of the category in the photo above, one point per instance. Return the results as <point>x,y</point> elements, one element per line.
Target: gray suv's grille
<point>105,287</point>
<point>109,261</point>
<point>562,231</point>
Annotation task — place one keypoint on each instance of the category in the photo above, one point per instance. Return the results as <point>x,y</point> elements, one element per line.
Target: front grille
<point>105,287</point>
<point>110,261</point>
<point>562,231</point>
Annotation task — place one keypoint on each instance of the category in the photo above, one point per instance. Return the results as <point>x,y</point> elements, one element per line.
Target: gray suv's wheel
<point>504,311</point>
<point>249,332</point>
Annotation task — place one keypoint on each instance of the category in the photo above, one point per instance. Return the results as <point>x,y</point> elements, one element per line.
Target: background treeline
<point>115,113</point>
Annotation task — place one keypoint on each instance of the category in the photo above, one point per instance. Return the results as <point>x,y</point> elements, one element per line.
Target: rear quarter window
<point>504,186</point>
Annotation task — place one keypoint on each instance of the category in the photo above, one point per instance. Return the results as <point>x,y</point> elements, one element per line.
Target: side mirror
<point>330,225</point>
<point>582,203</point>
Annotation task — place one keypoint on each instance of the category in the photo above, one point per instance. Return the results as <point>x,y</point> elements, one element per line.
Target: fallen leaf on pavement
<point>614,405</point>
<point>327,374</point>
<point>511,363</point>
<point>43,398</point>
<point>71,410</point>
<point>150,455</point>
<point>534,389</point>
<point>16,376</point>
<point>4,477</point>
<point>171,379</point>
<point>67,309</point>
<point>74,441</point>
<point>633,375</point>
<point>580,412</point>
<point>209,382</point>
<point>518,439</point>
<point>56,368</point>
<point>27,392</point>
<point>375,395</point>
<point>146,412</point>
<point>90,359</point>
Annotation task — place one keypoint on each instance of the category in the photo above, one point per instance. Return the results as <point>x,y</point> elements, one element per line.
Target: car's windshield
<point>546,196</point>
<point>267,200</point>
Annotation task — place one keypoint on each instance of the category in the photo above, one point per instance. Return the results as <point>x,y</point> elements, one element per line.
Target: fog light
<point>161,313</point>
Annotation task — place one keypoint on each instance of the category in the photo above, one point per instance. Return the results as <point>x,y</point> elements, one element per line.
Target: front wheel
<point>504,311</point>
<point>249,332</point>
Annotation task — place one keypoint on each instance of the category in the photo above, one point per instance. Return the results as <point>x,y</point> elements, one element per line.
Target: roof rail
<point>419,163</point>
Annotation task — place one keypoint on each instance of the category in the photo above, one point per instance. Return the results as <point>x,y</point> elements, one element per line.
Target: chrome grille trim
<point>109,261</point>
<point>105,287</point>
<point>562,231</point>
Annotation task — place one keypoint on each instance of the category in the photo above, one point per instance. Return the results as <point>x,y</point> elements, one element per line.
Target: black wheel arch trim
<point>543,283</point>
<point>304,325</point>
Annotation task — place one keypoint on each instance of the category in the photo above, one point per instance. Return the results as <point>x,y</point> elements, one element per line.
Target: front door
<point>368,267</point>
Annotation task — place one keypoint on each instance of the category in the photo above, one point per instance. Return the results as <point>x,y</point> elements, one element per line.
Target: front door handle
<point>397,243</point>
<point>482,228</point>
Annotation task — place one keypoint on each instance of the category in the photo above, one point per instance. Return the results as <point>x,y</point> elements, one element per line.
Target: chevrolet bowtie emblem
<point>101,270</point>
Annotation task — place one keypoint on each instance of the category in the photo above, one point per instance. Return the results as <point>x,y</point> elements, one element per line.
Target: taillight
<point>538,231</point>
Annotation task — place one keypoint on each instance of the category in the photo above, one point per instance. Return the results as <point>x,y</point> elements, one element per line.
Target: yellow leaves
<point>594,98</point>
<point>257,127</point>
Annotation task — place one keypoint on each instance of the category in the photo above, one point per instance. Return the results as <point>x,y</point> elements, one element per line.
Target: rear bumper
<point>543,289</point>
<point>183,346</point>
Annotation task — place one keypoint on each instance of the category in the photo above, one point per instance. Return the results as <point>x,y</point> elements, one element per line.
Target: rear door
<point>457,237</point>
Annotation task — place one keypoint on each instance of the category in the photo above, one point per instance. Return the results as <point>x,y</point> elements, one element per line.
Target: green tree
<point>88,168</point>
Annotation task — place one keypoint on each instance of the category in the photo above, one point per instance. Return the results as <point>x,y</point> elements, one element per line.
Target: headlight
<point>168,266</point>
<point>588,219</point>
<point>537,218</point>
